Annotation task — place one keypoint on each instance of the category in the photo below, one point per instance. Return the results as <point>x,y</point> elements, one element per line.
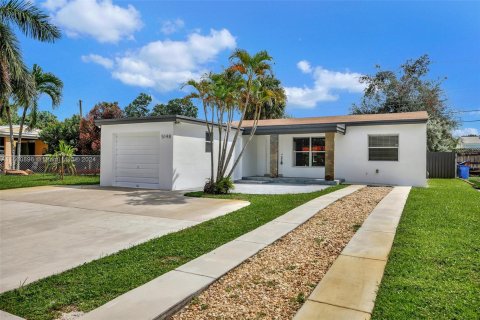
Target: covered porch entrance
<point>294,155</point>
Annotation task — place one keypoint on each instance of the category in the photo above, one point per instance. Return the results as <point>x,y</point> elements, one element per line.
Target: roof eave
<point>176,118</point>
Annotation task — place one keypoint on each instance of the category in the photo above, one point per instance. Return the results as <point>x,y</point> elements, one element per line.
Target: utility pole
<point>80,105</point>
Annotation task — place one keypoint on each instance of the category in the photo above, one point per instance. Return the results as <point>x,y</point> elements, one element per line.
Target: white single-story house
<point>173,152</point>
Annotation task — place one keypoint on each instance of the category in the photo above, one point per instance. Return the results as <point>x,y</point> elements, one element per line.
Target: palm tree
<point>62,160</point>
<point>45,83</point>
<point>271,111</point>
<point>236,90</point>
<point>15,80</point>
<point>252,68</point>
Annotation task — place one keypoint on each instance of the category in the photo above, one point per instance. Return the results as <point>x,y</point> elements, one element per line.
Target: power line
<point>471,120</point>
<point>462,111</point>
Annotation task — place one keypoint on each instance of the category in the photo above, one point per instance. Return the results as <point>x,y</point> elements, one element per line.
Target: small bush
<point>223,186</point>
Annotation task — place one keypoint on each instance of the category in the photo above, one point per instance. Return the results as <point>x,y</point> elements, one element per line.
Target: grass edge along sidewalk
<point>92,284</point>
<point>433,268</point>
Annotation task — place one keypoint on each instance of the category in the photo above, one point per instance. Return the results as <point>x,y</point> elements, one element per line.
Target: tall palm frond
<point>33,22</point>
<point>11,61</point>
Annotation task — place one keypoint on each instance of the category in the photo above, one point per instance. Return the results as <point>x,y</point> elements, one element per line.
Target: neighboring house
<point>172,152</point>
<point>469,142</point>
<point>468,152</point>
<point>31,144</point>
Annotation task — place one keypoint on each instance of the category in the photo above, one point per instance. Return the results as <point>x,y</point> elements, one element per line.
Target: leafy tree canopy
<point>411,90</point>
<point>139,106</point>
<point>89,141</point>
<point>54,132</point>
<point>181,107</point>
<point>44,119</point>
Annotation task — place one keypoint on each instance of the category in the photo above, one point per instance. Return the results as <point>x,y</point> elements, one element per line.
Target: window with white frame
<point>208,142</point>
<point>309,152</point>
<point>383,147</point>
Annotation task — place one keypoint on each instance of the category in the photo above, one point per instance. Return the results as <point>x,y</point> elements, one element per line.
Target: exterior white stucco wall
<point>107,162</point>
<point>351,156</point>
<point>191,162</point>
<point>256,158</point>
<point>286,163</point>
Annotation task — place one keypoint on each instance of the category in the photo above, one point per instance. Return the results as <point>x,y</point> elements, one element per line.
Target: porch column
<point>329,155</point>
<point>274,155</point>
<point>7,151</point>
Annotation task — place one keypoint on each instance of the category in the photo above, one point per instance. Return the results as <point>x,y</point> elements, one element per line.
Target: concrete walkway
<point>349,289</point>
<point>168,293</point>
<point>277,188</point>
<point>46,230</point>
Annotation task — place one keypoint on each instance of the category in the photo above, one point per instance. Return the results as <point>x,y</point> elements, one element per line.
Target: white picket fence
<point>84,164</point>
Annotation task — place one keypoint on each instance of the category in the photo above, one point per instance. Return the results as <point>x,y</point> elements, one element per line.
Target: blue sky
<point>111,51</point>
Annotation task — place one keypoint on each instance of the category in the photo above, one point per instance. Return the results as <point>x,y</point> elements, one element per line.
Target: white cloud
<point>53,5</point>
<point>95,58</point>
<point>99,19</point>
<point>165,65</point>
<point>466,132</point>
<point>304,66</point>
<point>326,83</point>
<point>172,26</point>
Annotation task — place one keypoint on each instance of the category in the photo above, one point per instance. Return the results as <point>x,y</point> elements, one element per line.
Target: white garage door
<point>137,158</point>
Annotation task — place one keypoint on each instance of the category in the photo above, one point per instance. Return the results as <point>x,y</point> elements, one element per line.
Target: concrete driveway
<point>46,230</point>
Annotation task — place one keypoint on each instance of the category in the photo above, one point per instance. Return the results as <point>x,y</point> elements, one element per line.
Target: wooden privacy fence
<point>441,164</point>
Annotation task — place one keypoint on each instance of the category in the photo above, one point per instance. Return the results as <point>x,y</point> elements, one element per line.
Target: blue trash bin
<point>463,172</point>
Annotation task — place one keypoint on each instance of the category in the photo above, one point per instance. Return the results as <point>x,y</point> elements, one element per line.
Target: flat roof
<point>26,134</point>
<point>101,122</point>
<point>356,119</point>
<point>293,125</point>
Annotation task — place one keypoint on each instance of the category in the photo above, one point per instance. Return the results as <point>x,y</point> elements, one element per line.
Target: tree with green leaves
<point>179,107</point>
<point>89,140</point>
<point>275,110</point>
<point>67,130</point>
<point>46,83</point>
<point>408,91</point>
<point>42,119</point>
<point>139,106</point>
<point>16,82</point>
<point>239,89</point>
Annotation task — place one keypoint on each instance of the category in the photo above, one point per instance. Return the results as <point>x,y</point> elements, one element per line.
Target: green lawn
<point>38,179</point>
<point>93,284</point>
<point>434,268</point>
<point>475,181</point>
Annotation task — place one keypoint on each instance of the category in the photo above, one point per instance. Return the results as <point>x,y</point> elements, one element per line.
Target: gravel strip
<point>275,283</point>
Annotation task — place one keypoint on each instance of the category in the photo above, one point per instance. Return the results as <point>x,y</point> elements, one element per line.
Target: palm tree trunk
<point>235,137</point>
<point>252,133</point>
<point>20,133</point>
<point>12,146</point>
<point>210,133</point>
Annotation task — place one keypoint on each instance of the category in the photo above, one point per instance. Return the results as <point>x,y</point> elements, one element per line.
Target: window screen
<point>383,147</point>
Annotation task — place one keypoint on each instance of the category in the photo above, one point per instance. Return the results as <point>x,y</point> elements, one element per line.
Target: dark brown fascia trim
<point>101,122</point>
<point>294,129</point>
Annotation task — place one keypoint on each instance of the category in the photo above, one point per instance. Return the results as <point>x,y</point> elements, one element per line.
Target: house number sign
<point>166,136</point>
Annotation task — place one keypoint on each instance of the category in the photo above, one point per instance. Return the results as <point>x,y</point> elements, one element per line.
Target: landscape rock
<point>16,173</point>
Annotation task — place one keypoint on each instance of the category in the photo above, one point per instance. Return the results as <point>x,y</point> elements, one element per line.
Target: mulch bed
<point>274,283</point>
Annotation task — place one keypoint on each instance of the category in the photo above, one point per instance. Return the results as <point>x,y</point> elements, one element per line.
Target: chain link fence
<point>88,164</point>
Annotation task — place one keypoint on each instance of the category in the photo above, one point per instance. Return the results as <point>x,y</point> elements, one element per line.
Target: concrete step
<point>252,181</point>
<point>290,180</point>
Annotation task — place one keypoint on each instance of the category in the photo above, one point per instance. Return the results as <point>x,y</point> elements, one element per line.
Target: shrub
<point>223,186</point>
